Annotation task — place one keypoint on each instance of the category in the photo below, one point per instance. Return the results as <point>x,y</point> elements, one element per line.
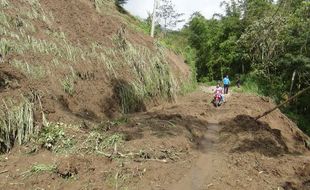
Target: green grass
<point>16,123</point>
<point>188,87</point>
<point>68,85</point>
<point>209,83</point>
<point>34,71</point>
<point>42,168</point>
<point>248,85</point>
<point>54,138</point>
<point>39,168</point>
<point>4,3</point>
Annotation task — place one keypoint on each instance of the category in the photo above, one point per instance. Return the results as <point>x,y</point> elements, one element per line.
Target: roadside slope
<point>83,59</point>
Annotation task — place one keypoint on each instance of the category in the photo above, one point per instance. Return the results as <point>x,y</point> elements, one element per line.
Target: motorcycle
<point>217,100</point>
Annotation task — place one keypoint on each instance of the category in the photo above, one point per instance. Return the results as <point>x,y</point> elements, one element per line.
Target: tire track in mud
<point>201,175</point>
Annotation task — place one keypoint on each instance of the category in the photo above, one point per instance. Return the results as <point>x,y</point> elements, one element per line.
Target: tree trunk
<point>243,68</point>
<point>292,83</point>
<point>154,18</point>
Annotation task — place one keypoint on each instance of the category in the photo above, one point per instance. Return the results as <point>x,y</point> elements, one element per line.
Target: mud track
<point>187,145</point>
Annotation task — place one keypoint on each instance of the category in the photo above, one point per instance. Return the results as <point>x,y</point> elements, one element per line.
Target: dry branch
<point>282,104</point>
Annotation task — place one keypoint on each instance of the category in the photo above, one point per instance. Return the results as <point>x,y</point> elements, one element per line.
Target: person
<point>238,82</point>
<point>219,90</point>
<point>226,83</point>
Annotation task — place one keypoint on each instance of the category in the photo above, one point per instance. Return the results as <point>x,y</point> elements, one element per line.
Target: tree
<point>120,2</point>
<point>167,16</point>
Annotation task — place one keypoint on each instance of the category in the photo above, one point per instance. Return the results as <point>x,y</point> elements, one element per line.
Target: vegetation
<point>16,123</point>
<point>53,138</point>
<point>42,168</point>
<point>264,41</point>
<point>167,16</point>
<point>151,76</point>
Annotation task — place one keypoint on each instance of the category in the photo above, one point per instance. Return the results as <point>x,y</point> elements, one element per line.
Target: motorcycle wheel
<point>216,103</point>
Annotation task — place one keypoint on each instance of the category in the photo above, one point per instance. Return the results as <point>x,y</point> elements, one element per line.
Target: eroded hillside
<point>74,74</point>
<point>80,60</point>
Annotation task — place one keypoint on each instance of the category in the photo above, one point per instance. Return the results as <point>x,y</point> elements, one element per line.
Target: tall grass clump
<point>152,72</point>
<point>4,3</point>
<point>148,70</point>
<point>36,72</point>
<point>68,83</point>
<point>99,4</point>
<point>16,124</point>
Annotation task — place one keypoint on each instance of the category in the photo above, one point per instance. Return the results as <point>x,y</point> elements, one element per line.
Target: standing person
<point>226,83</point>
<point>238,82</point>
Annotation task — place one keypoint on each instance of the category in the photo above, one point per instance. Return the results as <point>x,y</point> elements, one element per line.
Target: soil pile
<point>243,133</point>
<point>303,183</point>
<point>253,136</point>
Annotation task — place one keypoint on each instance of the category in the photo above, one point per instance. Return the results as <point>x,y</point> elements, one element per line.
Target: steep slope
<point>78,86</point>
<point>81,60</point>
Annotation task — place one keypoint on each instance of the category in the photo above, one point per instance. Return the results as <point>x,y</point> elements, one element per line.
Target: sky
<point>140,8</point>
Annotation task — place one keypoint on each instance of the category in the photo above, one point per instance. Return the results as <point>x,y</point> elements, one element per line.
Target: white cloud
<point>140,8</point>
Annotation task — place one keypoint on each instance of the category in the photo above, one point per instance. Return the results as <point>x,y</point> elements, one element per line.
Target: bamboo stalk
<point>282,104</point>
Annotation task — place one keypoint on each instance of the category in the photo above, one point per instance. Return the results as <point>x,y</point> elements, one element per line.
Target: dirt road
<point>259,164</point>
<point>186,145</point>
<point>203,172</point>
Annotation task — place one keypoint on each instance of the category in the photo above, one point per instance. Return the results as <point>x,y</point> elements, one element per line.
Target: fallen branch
<point>130,155</point>
<point>282,104</point>
<point>158,160</point>
<point>5,171</point>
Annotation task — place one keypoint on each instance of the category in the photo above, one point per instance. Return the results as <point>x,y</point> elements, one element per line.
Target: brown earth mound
<point>244,134</point>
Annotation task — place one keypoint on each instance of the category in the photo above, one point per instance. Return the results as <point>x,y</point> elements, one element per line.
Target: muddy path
<point>259,166</point>
<point>185,145</point>
<point>203,172</point>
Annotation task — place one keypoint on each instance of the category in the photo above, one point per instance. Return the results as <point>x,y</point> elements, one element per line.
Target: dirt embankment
<point>82,58</point>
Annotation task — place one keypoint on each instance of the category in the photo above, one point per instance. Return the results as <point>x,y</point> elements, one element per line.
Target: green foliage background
<point>261,41</point>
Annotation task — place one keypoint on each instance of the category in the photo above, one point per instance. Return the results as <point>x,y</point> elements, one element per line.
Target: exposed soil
<point>186,145</point>
<point>82,26</point>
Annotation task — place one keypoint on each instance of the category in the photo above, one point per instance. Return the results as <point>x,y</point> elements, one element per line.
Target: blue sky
<point>140,8</point>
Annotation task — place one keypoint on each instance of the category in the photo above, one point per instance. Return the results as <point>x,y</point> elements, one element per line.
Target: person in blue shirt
<point>226,83</point>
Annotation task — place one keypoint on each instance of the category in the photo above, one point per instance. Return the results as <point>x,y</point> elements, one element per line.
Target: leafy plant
<point>53,137</point>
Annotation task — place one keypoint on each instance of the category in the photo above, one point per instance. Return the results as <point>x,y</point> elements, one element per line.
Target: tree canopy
<point>266,41</point>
